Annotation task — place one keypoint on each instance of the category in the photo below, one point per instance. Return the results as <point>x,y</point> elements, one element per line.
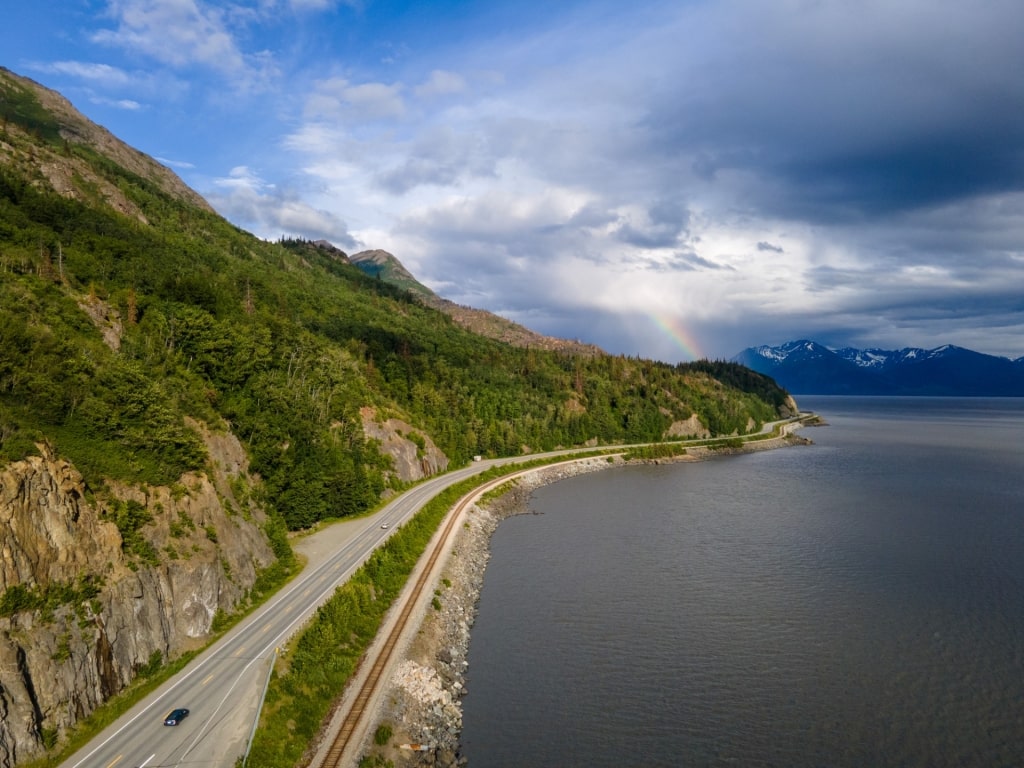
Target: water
<point>858,602</point>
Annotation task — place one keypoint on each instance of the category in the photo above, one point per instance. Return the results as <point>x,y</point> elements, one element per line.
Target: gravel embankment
<point>422,701</point>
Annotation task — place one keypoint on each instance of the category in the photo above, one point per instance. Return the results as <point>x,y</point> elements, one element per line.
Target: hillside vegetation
<point>128,312</point>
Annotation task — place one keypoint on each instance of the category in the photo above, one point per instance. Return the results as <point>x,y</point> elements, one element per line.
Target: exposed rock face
<point>692,427</point>
<point>61,661</point>
<point>106,318</point>
<point>42,513</point>
<point>789,409</point>
<point>72,177</point>
<point>413,454</point>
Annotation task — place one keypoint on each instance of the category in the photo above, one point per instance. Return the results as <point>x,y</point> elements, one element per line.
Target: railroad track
<point>349,726</point>
<point>349,729</point>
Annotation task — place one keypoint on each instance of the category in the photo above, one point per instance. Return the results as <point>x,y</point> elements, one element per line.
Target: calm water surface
<point>858,602</point>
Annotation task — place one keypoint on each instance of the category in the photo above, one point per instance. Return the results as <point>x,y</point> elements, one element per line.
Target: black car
<point>176,717</point>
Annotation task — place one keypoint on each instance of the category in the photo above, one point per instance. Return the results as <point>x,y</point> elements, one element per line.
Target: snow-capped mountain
<point>883,359</point>
<point>806,367</point>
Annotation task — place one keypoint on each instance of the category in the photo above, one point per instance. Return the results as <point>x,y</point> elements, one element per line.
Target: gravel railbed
<point>422,703</point>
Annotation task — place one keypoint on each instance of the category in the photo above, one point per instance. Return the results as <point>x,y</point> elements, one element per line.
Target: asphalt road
<point>223,687</point>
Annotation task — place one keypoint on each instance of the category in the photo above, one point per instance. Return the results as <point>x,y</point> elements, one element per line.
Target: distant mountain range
<point>806,367</point>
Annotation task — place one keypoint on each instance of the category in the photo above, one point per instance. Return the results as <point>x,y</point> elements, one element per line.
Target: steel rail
<point>358,710</point>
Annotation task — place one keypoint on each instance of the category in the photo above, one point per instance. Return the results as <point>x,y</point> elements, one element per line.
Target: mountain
<point>59,127</point>
<point>177,395</point>
<point>806,367</point>
<point>378,263</point>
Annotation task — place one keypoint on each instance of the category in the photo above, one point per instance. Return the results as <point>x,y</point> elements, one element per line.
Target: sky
<point>669,179</point>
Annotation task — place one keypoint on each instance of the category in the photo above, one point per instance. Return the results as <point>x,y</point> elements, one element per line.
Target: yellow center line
<point>208,679</point>
<point>115,761</point>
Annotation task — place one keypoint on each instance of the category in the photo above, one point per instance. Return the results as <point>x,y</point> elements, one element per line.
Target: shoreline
<point>421,702</point>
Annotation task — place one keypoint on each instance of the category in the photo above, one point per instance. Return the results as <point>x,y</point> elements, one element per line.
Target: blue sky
<point>664,179</point>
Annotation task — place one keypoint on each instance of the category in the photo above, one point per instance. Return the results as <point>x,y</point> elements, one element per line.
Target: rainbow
<point>678,334</point>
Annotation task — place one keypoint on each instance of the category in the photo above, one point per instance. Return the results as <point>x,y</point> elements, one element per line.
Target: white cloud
<point>440,83</point>
<point>100,74</point>
<point>321,5</point>
<point>184,164</point>
<point>115,86</point>
<point>241,177</point>
<point>270,212</point>
<point>338,98</point>
<point>176,32</point>
<point>127,104</point>
<point>439,156</point>
<point>185,34</point>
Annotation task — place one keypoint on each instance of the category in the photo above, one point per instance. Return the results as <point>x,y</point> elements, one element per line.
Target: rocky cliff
<point>412,453</point>
<point>96,587</point>
<point>72,176</point>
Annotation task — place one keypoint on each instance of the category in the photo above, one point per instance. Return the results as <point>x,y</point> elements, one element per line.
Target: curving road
<point>223,686</point>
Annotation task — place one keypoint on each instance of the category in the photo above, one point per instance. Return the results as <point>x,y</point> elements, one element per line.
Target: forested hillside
<point>128,313</point>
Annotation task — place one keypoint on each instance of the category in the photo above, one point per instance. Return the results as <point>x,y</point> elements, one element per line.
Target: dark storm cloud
<point>662,225</point>
<point>654,236</point>
<point>591,216</point>
<point>879,180</point>
<point>690,261</point>
<point>849,110</point>
<point>703,263</point>
<point>871,152</point>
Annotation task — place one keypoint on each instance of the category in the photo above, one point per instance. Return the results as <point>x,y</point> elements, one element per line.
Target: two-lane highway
<point>223,687</point>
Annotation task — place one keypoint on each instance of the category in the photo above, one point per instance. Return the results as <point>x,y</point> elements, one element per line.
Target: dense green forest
<point>282,343</point>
